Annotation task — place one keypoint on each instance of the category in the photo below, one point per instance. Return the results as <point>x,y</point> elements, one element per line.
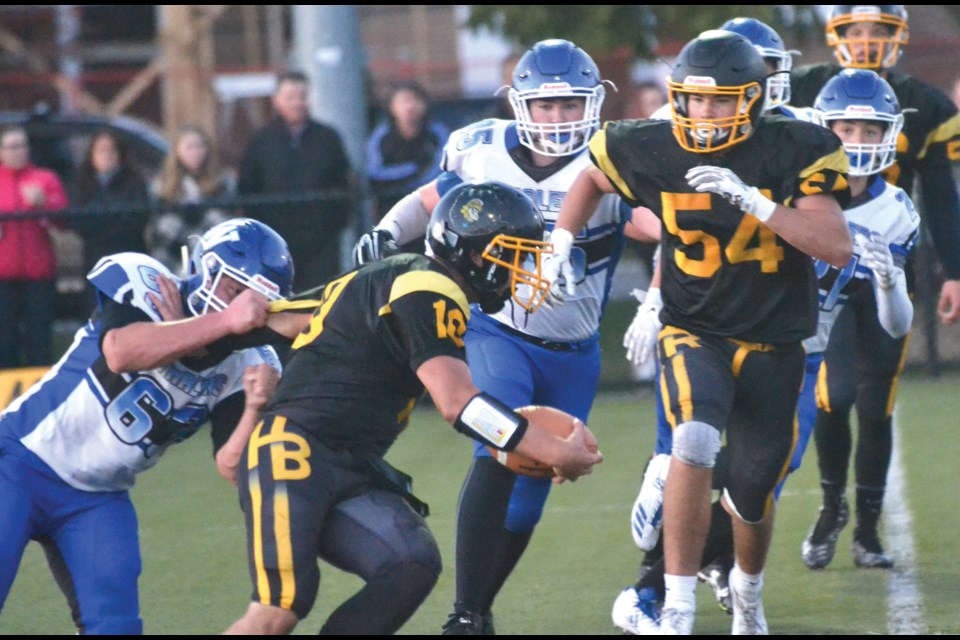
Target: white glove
<point>641,336</point>
<point>730,187</point>
<point>557,265</point>
<point>875,255</point>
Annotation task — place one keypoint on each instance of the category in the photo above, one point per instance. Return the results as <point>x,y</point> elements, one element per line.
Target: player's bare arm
<point>816,226</point>
<point>449,382</point>
<point>259,383</point>
<point>582,200</point>
<point>643,226</point>
<point>146,345</point>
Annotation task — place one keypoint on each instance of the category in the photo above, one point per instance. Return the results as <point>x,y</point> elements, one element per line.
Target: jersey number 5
<point>750,242</point>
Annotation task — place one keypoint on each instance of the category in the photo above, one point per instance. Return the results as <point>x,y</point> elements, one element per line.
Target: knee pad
<point>696,444</point>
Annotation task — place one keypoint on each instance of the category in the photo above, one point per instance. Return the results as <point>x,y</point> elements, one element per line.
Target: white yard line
<point>905,613</point>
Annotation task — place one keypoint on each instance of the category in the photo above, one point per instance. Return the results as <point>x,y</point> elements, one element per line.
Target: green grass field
<point>195,577</point>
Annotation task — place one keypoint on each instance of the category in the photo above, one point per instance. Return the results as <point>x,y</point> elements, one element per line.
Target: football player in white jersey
<point>136,380</point>
<point>862,109</point>
<point>551,357</point>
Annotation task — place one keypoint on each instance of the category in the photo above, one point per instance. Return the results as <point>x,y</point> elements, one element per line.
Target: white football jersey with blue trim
<point>888,212</point>
<point>481,152</point>
<point>97,429</point>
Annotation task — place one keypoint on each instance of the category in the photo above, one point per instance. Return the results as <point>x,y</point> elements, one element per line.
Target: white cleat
<point>637,613</point>
<point>676,623</point>
<point>748,618</point>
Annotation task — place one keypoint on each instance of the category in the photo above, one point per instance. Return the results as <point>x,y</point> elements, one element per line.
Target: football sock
<point>481,514</point>
<point>681,593</point>
<point>510,547</point>
<point>746,585</point>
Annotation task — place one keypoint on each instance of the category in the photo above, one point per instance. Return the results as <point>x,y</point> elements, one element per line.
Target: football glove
<point>875,255</point>
<point>375,245</point>
<point>557,265</point>
<point>641,336</point>
<point>731,188</point>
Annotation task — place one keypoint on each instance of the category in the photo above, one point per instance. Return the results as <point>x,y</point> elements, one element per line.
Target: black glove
<point>375,245</point>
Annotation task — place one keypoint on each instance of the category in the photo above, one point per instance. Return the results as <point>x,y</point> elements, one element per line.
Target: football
<point>559,423</point>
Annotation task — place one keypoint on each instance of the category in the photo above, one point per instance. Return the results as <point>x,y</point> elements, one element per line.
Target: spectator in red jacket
<point>27,263</point>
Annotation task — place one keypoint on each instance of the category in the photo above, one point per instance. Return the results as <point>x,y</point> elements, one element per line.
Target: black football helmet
<point>718,63</point>
<point>492,234</point>
<point>878,52</point>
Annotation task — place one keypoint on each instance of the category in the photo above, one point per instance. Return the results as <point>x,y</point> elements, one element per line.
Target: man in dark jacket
<point>294,155</point>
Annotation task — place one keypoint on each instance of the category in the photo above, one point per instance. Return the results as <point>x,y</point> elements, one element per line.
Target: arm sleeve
<point>894,309</point>
<point>407,220</point>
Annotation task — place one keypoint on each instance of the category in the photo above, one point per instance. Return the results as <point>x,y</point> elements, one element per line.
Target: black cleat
<point>821,543</point>
<point>868,552</point>
<point>464,623</point>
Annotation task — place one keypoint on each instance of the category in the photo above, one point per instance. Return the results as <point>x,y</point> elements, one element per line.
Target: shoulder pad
<point>126,278</point>
<point>464,141</point>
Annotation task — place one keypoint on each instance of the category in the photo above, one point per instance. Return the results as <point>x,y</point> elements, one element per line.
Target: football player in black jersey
<point>745,200</point>
<point>872,37</point>
<point>312,479</point>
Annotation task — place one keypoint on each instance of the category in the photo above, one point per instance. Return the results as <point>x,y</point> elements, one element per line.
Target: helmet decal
<point>492,234</point>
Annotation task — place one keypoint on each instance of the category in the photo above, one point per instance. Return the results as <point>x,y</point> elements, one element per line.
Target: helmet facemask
<point>881,52</point>
<point>707,135</point>
<point>868,159</point>
<point>557,139</point>
<point>212,270</point>
<point>520,260</point>
<point>778,82</point>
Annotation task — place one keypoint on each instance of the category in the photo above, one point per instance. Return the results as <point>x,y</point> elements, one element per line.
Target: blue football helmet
<point>768,42</point>
<point>875,53</point>
<point>861,94</point>
<point>556,69</point>
<point>244,249</point>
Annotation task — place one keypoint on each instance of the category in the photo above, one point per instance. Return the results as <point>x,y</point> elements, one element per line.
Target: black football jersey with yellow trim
<point>351,377</point>
<point>931,134</point>
<point>725,273</point>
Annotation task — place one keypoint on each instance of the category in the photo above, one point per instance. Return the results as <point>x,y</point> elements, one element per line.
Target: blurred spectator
<point>505,112</point>
<point>405,152</point>
<point>106,181</point>
<point>291,155</point>
<point>955,93</point>
<point>27,262</point>
<point>190,175</point>
<point>646,98</point>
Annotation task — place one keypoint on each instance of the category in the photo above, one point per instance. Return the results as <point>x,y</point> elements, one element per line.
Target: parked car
<point>58,141</point>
